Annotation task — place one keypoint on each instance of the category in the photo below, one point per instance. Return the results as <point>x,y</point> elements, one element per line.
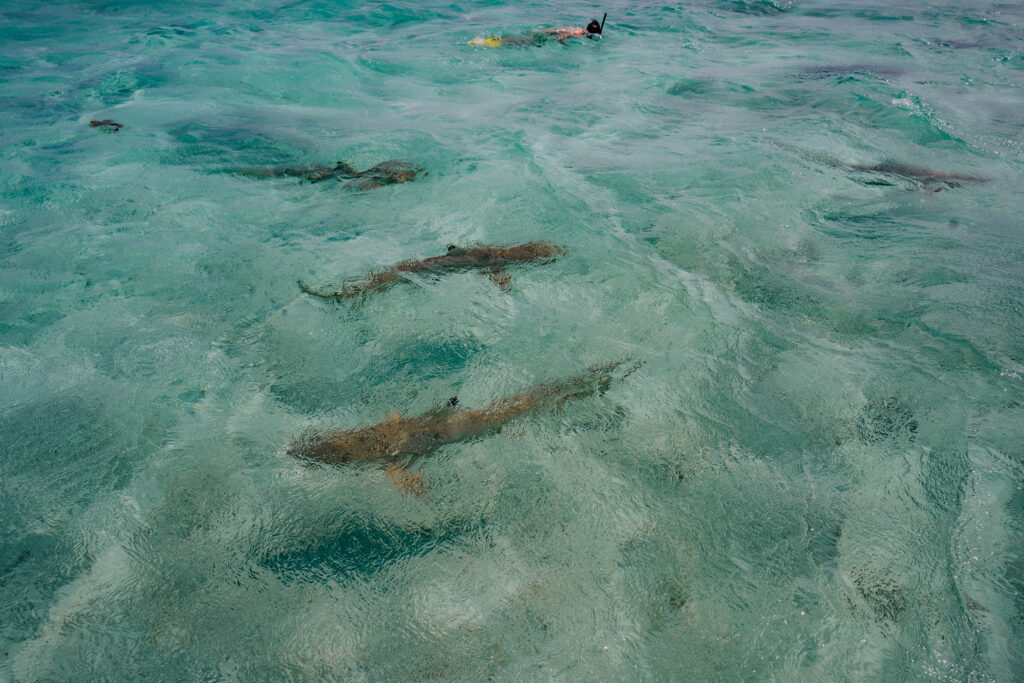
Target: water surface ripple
<point>802,218</point>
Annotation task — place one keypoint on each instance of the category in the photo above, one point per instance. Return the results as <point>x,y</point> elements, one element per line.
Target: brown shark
<point>389,172</point>
<point>398,440</point>
<point>489,259</point>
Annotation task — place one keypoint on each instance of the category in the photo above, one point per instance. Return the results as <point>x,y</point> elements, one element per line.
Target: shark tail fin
<point>334,296</point>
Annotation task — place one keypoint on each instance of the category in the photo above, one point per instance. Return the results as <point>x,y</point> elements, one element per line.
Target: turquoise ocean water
<point>815,474</point>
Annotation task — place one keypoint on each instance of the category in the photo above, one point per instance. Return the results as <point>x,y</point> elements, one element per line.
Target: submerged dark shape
<point>928,178</point>
<point>108,125</point>
<point>398,439</point>
<point>886,418</point>
<point>691,86</point>
<point>759,7</point>
<point>889,173</point>
<point>388,172</point>
<point>836,70</point>
<point>489,259</point>
<point>880,593</point>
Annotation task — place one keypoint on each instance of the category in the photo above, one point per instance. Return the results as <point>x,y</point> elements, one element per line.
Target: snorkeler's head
<point>594,27</point>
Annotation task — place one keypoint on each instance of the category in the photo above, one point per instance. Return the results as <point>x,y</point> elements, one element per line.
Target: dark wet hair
<point>594,27</point>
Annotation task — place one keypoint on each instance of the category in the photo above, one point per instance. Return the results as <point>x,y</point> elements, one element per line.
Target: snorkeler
<point>593,31</point>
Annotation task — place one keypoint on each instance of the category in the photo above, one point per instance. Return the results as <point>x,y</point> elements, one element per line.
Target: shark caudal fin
<point>332,296</point>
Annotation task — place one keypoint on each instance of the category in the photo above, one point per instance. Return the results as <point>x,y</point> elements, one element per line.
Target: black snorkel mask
<point>594,29</point>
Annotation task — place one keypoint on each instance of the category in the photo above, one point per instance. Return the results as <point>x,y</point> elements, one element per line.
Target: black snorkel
<point>594,30</point>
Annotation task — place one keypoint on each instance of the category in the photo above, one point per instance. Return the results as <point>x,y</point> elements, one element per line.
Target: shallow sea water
<point>815,474</point>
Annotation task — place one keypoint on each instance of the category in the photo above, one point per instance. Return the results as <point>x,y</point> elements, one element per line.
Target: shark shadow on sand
<point>491,260</point>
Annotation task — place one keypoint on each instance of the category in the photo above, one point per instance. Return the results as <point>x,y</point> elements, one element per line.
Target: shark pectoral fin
<point>404,481</point>
<point>362,184</point>
<point>500,277</point>
<point>392,418</point>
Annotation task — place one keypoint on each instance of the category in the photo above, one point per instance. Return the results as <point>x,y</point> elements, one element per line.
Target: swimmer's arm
<point>566,32</point>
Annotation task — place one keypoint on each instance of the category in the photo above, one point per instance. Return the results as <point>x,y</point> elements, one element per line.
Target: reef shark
<point>888,173</point>
<point>398,440</point>
<point>927,178</point>
<point>388,172</point>
<point>489,259</point>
